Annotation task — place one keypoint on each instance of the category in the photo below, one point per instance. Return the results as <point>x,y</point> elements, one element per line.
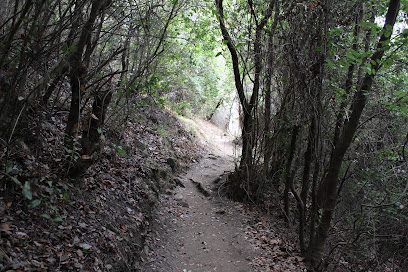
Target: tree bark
<point>78,72</point>
<point>268,101</point>
<point>360,100</point>
<point>247,106</point>
<point>288,172</point>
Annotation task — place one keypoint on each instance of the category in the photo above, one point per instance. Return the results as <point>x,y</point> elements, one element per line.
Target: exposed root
<point>200,188</point>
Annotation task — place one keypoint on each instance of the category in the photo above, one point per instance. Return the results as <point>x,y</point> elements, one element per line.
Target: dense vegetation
<point>324,122</point>
<point>322,87</point>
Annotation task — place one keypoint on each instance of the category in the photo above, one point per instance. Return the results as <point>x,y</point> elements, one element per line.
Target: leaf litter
<point>101,224</point>
<point>104,223</point>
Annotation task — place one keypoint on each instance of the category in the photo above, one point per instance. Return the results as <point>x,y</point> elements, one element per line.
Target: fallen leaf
<point>79,253</point>
<point>5,227</point>
<point>21,234</point>
<point>85,246</point>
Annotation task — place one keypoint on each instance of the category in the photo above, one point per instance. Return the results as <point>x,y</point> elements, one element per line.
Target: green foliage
<point>26,188</point>
<point>58,219</point>
<point>35,203</point>
<point>53,198</point>
<point>27,191</point>
<point>194,79</point>
<point>120,150</point>
<point>397,99</point>
<point>47,199</point>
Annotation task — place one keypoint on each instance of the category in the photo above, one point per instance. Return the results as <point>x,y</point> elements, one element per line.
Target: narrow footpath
<point>195,228</point>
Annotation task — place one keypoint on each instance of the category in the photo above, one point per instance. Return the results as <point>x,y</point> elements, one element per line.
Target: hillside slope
<point>99,223</point>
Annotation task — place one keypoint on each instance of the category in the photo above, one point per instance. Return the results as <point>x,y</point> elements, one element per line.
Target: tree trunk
<point>346,138</point>
<point>209,117</point>
<point>91,134</point>
<point>288,173</point>
<point>268,98</point>
<point>78,73</point>
<point>308,158</point>
<point>248,142</point>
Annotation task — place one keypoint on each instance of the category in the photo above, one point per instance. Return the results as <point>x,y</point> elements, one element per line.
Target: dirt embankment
<point>99,224</point>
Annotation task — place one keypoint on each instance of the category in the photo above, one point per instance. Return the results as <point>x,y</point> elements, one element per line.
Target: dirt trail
<point>198,233</point>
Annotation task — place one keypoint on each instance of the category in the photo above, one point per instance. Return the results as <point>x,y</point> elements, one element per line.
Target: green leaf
<point>66,196</point>
<point>350,56</point>
<point>16,180</point>
<point>404,110</point>
<point>27,191</point>
<point>46,216</point>
<point>219,53</point>
<point>239,45</point>
<point>330,64</point>
<point>35,203</point>
<point>318,49</point>
<point>50,183</point>
<point>369,24</point>
<point>73,48</point>
<point>9,167</point>
<point>120,150</point>
<point>58,220</point>
<point>100,131</point>
<point>388,62</point>
<point>225,42</point>
<point>355,53</point>
<point>368,70</point>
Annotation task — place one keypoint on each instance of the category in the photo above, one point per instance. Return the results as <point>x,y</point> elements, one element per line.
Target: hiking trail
<point>195,228</point>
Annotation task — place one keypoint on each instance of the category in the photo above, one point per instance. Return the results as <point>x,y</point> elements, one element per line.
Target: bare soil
<point>193,232</point>
<point>196,229</point>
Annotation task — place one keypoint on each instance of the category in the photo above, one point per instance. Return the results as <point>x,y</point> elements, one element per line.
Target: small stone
<point>129,210</point>
<point>178,196</point>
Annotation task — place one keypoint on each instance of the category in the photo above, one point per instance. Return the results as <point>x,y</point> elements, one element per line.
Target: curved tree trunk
<point>246,163</point>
